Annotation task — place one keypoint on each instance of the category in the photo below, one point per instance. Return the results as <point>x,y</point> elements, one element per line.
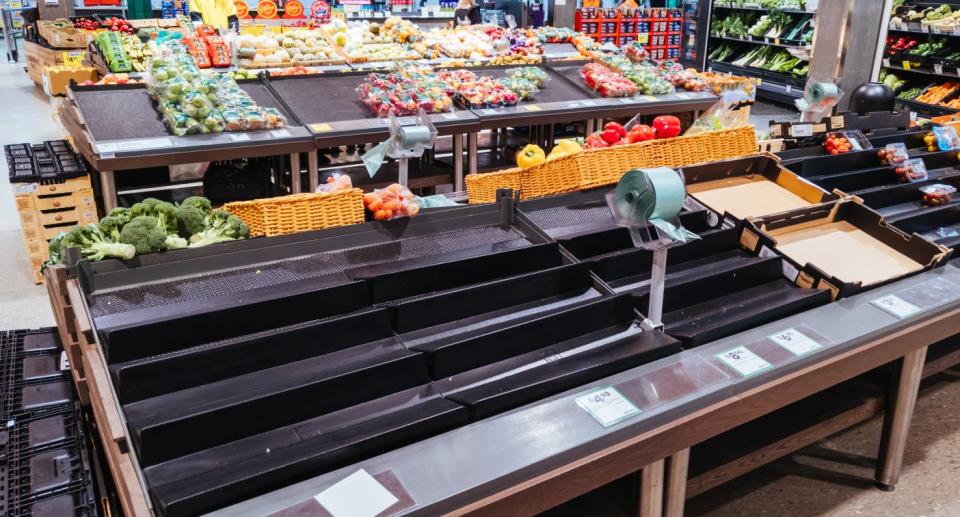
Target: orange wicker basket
<point>299,212</point>
<point>604,166</point>
<point>482,188</point>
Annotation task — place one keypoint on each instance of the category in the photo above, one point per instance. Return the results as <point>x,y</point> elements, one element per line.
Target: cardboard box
<point>843,247</point>
<point>750,187</point>
<point>56,79</point>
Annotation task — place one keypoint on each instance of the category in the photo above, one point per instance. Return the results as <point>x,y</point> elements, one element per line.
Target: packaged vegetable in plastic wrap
<point>336,182</point>
<point>531,73</point>
<point>391,202</point>
<point>912,171</point>
<point>947,138</point>
<point>937,194</point>
<point>635,52</point>
<point>522,87</point>
<point>607,82</point>
<point>893,154</point>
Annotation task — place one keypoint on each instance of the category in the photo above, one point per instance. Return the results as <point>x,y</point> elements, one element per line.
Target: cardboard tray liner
<point>751,187</point>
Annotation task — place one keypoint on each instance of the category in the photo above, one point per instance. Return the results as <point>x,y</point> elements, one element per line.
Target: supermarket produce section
<point>223,361</point>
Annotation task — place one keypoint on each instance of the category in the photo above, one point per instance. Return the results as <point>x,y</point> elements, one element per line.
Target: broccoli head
<point>145,233</point>
<point>110,227</point>
<point>165,212</point>
<point>121,213</point>
<point>190,220</point>
<point>55,246</point>
<point>220,227</point>
<point>200,203</point>
<point>94,245</point>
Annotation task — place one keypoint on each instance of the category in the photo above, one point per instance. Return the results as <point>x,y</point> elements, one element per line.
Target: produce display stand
<point>117,128</point>
<point>342,119</point>
<point>481,257</point>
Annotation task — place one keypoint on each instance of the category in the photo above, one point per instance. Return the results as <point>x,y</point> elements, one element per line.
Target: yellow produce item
<point>564,148</point>
<point>530,155</point>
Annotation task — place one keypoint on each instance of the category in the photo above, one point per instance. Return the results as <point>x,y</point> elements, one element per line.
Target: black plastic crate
<point>53,160</point>
<point>31,381</point>
<point>52,480</point>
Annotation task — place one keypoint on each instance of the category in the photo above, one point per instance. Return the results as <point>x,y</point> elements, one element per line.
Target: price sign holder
<point>607,406</point>
<point>917,299</point>
<point>742,360</point>
<point>795,341</point>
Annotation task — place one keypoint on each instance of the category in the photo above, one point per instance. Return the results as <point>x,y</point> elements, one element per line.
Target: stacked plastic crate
<point>43,453</point>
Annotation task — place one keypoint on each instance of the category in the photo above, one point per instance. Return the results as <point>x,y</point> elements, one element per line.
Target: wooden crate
<point>38,57</point>
<point>48,209</point>
<point>63,38</point>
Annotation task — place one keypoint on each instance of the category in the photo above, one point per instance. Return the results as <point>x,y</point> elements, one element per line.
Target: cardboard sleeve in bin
<point>752,186</point>
<point>843,247</point>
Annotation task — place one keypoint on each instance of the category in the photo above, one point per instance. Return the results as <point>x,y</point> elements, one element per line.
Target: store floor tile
<point>27,116</point>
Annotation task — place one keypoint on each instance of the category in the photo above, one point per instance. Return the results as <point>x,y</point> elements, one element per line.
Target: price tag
<point>573,105</point>
<point>787,88</point>
<point>133,145</point>
<point>794,341</point>
<point>935,29</point>
<point>650,98</point>
<point>776,41</point>
<point>801,130</point>
<point>64,361</point>
<point>626,100</point>
<point>532,107</point>
<point>957,71</point>
<point>744,361</point>
<point>682,96</point>
<point>239,137</point>
<point>20,189</point>
<point>358,494</point>
<point>837,122</point>
<point>886,62</point>
<point>906,64</point>
<point>956,30</point>
<point>589,103</point>
<point>73,58</point>
<point>896,306</point>
<point>607,406</point>
<point>450,116</point>
<point>924,28</point>
<point>320,128</point>
<point>489,111</point>
<point>938,69</point>
<point>279,133</point>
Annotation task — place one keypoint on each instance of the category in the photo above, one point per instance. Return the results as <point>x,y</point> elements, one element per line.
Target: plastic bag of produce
<point>335,183</point>
<point>391,202</point>
<point>524,88</point>
<point>531,73</point>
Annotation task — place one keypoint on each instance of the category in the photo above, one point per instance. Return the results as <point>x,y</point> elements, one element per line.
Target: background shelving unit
<point>729,43</point>
<point>918,56</point>
<point>658,29</point>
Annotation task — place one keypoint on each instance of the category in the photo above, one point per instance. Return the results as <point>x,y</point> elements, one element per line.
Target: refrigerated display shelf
<point>772,42</point>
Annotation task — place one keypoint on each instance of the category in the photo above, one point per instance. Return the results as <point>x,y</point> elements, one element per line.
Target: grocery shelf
<point>772,42</point>
<point>774,85</point>
<point>916,28</point>
<point>926,109</point>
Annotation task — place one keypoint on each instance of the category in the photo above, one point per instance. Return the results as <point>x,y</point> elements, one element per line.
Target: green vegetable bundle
<point>148,227</point>
<point>110,44</point>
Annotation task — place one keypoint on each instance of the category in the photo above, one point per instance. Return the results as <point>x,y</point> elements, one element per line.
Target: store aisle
<point>26,115</point>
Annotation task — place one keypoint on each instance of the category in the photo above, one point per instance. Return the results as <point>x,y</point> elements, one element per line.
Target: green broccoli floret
<point>110,227</point>
<point>55,246</point>
<point>190,220</point>
<point>221,227</point>
<point>165,212</point>
<point>94,245</point>
<point>145,233</point>
<point>200,203</point>
<point>175,242</point>
<point>121,213</point>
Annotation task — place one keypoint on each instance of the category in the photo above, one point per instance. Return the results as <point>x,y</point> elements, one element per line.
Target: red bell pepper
<point>666,126</point>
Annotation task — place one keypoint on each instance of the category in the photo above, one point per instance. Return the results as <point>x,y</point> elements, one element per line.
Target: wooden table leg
<point>677,484</point>
<point>472,152</point>
<point>108,189</point>
<point>458,185</point>
<point>295,173</point>
<point>651,490</point>
<point>896,421</point>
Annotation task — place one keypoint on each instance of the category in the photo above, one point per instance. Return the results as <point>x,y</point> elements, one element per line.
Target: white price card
<point>490,111</point>
<point>795,341</point>
<point>607,406</point>
<point>357,495</point>
<point>573,105</point>
<point>938,69</point>
<point>279,133</point>
<point>682,96</point>
<point>837,122</point>
<point>589,103</point>
<point>64,361</point>
<point>956,30</point>
<point>744,361</point>
<point>239,137</point>
<point>450,116</point>
<point>896,306</point>
<point>886,62</point>
<point>788,88</point>
<point>626,100</point>
<point>801,130</point>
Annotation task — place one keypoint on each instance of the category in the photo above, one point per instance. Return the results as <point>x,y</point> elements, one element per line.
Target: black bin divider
<point>836,163</point>
<point>448,357</point>
<point>430,310</point>
<point>157,375</point>
<point>592,243</point>
<point>194,419</point>
<point>857,180</point>
<point>394,281</point>
<point>889,195</point>
<point>126,337</point>
<point>929,220</point>
<point>632,260</point>
<point>229,473</point>
<point>575,361</point>
<point>712,278</point>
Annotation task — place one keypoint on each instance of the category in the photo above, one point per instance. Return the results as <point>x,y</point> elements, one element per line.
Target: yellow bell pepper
<point>530,155</point>
<point>563,148</point>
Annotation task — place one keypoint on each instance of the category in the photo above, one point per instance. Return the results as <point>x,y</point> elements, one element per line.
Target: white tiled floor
<point>26,115</point>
